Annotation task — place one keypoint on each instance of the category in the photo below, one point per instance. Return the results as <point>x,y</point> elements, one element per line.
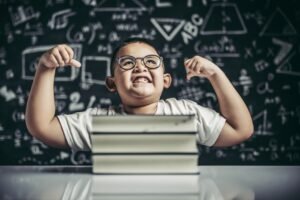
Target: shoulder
<point>92,111</point>
<point>177,106</point>
<point>184,106</point>
<point>180,103</point>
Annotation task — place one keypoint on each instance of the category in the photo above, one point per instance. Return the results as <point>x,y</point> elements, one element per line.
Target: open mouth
<point>141,79</point>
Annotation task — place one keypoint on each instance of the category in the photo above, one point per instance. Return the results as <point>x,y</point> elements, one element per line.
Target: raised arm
<point>40,111</point>
<point>238,126</point>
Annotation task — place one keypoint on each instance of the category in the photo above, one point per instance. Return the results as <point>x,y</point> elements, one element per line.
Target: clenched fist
<point>199,66</point>
<point>59,56</point>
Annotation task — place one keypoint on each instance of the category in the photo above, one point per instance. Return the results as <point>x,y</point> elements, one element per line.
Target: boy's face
<point>138,86</point>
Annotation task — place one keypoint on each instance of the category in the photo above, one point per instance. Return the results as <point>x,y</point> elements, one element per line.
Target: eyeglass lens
<point>129,62</point>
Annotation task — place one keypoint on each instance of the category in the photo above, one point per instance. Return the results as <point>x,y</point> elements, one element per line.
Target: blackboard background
<point>255,42</point>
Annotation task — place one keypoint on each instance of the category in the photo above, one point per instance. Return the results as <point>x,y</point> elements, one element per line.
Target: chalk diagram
<point>261,123</point>
<point>223,18</point>
<point>167,27</point>
<point>94,70</point>
<point>22,14</point>
<point>278,25</point>
<point>31,56</point>
<point>284,50</point>
<point>288,66</point>
<point>123,6</point>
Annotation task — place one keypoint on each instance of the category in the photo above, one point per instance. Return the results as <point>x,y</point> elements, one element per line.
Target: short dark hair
<point>126,42</point>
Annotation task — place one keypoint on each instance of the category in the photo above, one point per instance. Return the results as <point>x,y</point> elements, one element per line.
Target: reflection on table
<point>213,182</point>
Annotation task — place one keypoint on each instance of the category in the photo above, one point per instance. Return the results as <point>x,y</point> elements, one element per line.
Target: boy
<point>139,78</point>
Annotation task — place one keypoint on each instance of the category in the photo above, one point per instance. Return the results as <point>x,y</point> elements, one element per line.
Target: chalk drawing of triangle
<point>117,5</point>
<point>289,66</point>
<point>223,18</point>
<point>261,122</point>
<point>278,25</point>
<point>167,27</point>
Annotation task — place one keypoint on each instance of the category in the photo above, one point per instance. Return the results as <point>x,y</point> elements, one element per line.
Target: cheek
<point>159,75</point>
<point>159,82</point>
<point>122,78</point>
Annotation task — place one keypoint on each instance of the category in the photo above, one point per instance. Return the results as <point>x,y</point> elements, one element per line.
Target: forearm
<point>40,109</point>
<point>232,106</point>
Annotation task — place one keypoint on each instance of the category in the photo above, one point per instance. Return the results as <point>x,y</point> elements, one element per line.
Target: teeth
<point>141,80</point>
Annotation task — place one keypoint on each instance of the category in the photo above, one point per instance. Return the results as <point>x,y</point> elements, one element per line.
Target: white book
<point>173,163</point>
<point>144,142</point>
<point>143,123</point>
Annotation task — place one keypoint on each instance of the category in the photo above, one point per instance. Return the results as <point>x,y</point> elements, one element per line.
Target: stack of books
<point>144,144</point>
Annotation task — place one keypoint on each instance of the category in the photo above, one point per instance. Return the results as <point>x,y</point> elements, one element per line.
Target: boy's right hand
<point>59,56</point>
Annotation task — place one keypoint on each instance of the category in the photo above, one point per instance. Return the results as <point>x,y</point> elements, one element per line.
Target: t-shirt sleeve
<point>77,128</point>
<point>209,123</point>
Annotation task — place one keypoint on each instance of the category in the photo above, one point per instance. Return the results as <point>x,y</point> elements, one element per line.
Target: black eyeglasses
<point>129,62</point>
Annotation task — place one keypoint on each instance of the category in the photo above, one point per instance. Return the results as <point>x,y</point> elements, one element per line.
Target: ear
<point>167,80</point>
<point>110,84</point>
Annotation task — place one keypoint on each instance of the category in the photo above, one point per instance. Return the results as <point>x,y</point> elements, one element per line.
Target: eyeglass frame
<point>142,59</point>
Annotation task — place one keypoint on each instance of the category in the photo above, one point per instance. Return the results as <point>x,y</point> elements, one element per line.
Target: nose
<point>139,66</point>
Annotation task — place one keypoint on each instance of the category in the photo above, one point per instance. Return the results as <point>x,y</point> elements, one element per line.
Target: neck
<point>149,109</point>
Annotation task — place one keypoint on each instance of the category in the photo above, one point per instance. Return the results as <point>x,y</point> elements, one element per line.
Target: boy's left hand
<point>199,66</point>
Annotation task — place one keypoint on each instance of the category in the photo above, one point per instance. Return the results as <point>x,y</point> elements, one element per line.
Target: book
<point>143,123</point>
<point>144,142</point>
<point>184,163</point>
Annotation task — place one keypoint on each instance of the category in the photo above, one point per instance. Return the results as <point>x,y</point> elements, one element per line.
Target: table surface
<point>213,182</point>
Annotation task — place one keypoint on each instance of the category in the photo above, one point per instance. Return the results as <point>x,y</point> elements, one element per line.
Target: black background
<point>255,42</point>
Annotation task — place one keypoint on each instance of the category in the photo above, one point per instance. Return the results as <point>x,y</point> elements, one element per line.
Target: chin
<point>142,92</point>
<point>140,100</point>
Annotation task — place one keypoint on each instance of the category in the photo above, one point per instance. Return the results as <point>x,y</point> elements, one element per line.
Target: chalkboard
<point>255,42</point>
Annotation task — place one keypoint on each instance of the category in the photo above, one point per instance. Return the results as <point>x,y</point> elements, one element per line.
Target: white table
<point>213,182</point>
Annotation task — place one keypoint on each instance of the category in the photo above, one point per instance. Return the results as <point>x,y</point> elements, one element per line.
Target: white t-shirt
<point>77,127</point>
